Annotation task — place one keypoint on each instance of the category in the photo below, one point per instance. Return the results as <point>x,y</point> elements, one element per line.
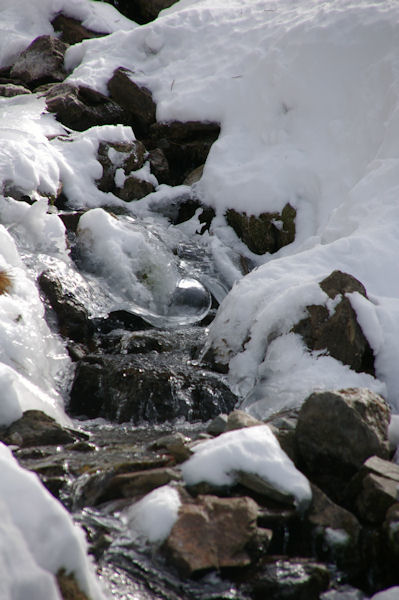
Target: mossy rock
<point>266,233</point>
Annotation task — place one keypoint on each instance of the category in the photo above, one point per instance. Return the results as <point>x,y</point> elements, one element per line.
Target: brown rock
<point>340,333</point>
<point>41,62</point>
<point>134,189</point>
<point>128,485</point>
<point>338,431</point>
<point>80,107</point>
<point>113,156</point>
<point>135,99</point>
<point>239,419</point>
<point>159,165</point>
<point>262,234</point>
<point>212,533</point>
<point>72,31</point>
<point>35,428</point>
<point>374,489</point>
<point>9,90</point>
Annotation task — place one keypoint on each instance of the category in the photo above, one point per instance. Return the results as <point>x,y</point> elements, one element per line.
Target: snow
<point>153,517</point>
<point>388,594</point>
<point>252,450</point>
<point>39,531</point>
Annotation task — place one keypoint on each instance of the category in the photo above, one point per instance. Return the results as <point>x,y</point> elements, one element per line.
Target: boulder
<point>186,145</point>
<point>134,188</point>
<point>337,431</point>
<point>338,333</point>
<point>267,232</point>
<point>80,107</point>
<point>289,579</point>
<point>238,419</point>
<point>213,533</point>
<point>141,11</point>
<point>140,388</point>
<point>217,425</point>
<point>374,489</point>
<point>135,99</point>
<point>41,62</point>
<point>72,31</point>
<point>35,428</point>
<point>159,165</point>
<point>9,90</point>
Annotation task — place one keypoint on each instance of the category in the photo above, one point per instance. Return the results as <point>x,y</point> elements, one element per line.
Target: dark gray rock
<point>113,156</point>
<point>141,11</point>
<point>146,387</point>
<point>80,107</point>
<point>239,419</point>
<point>186,145</point>
<point>72,316</point>
<point>213,533</point>
<point>135,99</point>
<point>41,62</point>
<point>159,165</point>
<point>337,432</point>
<point>261,234</point>
<point>339,334</point>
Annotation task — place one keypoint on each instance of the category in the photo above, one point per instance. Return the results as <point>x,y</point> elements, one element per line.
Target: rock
<point>334,532</point>
<point>217,425</point>
<point>135,99</point>
<point>72,31</point>
<point>283,425</point>
<point>338,431</point>
<point>130,485</point>
<point>112,156</point>
<point>194,176</point>
<point>35,428</point>
<point>41,62</point>
<point>340,333</point>
<point>72,316</point>
<point>186,145</point>
<point>159,165</point>
<point>141,11</point>
<point>374,489</point>
<point>134,189</point>
<point>212,533</point>
<point>69,587</point>
<point>9,90</point>
<point>261,486</point>
<point>80,107</point>
<point>289,579</point>
<point>266,233</point>
<point>140,388</point>
<point>238,419</point>
<point>175,444</point>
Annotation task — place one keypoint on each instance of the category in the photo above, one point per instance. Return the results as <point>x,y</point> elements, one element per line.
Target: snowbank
<point>38,538</point>
<point>253,450</point>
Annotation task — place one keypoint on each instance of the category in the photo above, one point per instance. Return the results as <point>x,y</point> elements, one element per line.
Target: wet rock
<point>72,31</point>
<point>72,316</point>
<point>112,156</point>
<point>80,107</point>
<point>289,579</point>
<point>374,489</point>
<point>9,90</point>
<point>261,486</point>
<point>148,387</point>
<point>135,99</point>
<point>238,419</point>
<point>212,533</point>
<point>41,62</point>
<point>338,431</point>
<point>35,428</point>
<point>131,485</point>
<point>266,233</point>
<point>340,333</point>
<point>186,145</point>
